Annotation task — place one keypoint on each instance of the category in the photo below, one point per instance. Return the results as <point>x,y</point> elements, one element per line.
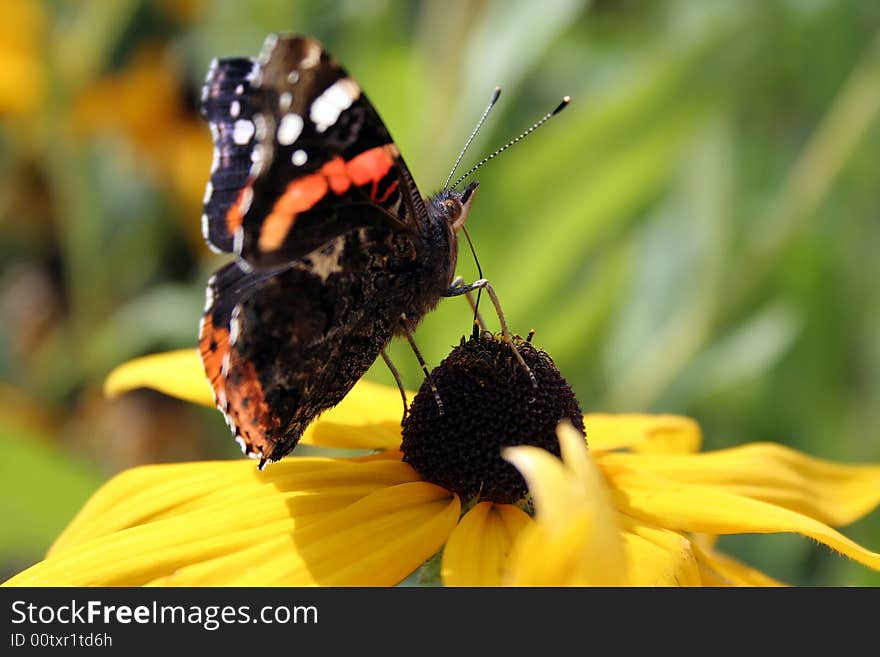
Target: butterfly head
<point>453,205</point>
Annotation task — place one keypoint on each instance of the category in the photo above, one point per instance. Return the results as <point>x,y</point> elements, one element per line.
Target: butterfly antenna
<point>494,99</point>
<point>562,105</point>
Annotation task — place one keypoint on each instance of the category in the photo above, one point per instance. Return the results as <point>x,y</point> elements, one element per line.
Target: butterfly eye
<point>452,207</point>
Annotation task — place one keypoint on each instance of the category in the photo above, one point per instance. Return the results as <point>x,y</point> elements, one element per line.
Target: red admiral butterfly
<point>336,251</point>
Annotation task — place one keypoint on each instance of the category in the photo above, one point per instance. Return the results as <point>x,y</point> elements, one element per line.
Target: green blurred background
<point>698,233</point>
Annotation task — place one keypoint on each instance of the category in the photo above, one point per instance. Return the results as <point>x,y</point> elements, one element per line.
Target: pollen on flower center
<point>489,403</point>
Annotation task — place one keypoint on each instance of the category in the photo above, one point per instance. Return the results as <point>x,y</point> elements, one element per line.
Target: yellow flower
<point>631,510</point>
<point>646,515</point>
<point>144,103</point>
<point>22,44</point>
<point>576,521</point>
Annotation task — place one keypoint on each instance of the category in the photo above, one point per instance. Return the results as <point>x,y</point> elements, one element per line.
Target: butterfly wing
<point>310,193</point>
<point>227,104</point>
<point>299,153</point>
<point>281,347</point>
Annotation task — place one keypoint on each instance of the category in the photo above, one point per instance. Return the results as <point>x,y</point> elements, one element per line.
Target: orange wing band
<point>337,176</point>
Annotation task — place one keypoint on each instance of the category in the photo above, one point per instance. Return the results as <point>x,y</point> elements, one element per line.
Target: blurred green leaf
<point>41,489</point>
<point>747,353</point>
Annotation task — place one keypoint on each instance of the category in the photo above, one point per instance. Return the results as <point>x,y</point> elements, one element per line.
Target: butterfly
<point>335,250</point>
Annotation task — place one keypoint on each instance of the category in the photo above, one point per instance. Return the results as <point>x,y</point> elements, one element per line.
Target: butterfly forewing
<point>311,142</point>
<point>227,105</point>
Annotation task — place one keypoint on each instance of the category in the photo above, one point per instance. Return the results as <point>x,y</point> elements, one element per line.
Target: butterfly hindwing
<point>282,347</point>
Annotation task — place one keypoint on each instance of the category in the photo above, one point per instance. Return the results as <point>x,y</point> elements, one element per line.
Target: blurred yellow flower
<point>182,11</point>
<point>631,510</point>
<point>22,44</point>
<point>144,102</point>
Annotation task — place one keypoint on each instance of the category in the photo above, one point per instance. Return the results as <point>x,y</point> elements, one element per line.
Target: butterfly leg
<point>412,343</point>
<point>396,375</point>
<point>458,290</point>
<point>478,319</point>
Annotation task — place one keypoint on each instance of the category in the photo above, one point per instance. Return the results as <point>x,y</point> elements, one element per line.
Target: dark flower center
<point>489,403</point>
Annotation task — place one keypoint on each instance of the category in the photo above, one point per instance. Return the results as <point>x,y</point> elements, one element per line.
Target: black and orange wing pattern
<point>332,241</point>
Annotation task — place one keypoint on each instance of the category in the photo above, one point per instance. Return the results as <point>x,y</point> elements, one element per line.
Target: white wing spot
<point>238,243</point>
<point>289,129</point>
<point>209,79</point>
<point>247,197</point>
<point>215,137</point>
<point>209,298</point>
<point>234,324</point>
<point>336,98</point>
<point>299,157</point>
<point>284,101</point>
<point>206,233</point>
<point>242,131</point>
<point>268,46</point>
<point>260,123</point>
<point>209,191</point>
<point>239,90</point>
<point>312,57</point>
<point>258,158</point>
<point>293,77</point>
<point>234,109</point>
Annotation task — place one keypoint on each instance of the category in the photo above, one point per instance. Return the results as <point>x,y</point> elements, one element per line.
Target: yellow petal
<point>195,513</point>
<point>576,539</point>
<point>176,373</point>
<point>477,551</point>
<point>136,556</point>
<point>549,483</point>
<point>657,556</point>
<point>835,494</point>
<point>146,493</point>
<point>154,492</point>
<point>642,433</point>
<point>718,569</point>
<point>367,418</point>
<point>566,556</point>
<point>376,541</point>
<point>223,569</point>
<point>697,508</point>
